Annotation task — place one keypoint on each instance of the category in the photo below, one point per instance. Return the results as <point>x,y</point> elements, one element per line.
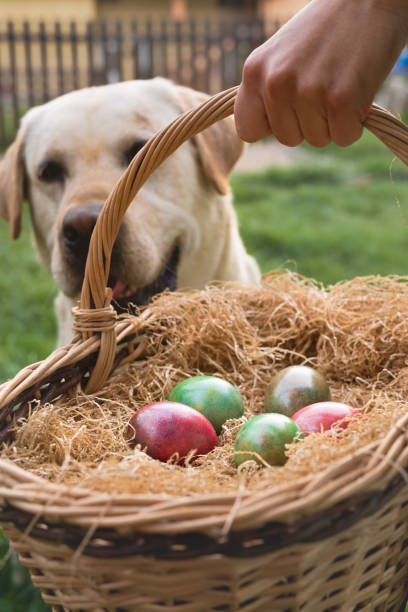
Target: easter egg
<point>164,429</point>
<point>293,388</point>
<point>267,435</point>
<point>323,415</point>
<point>214,397</point>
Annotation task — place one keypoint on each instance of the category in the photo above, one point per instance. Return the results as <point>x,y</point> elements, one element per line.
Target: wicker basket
<point>332,541</point>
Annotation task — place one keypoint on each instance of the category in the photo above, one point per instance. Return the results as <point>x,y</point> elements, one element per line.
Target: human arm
<point>316,78</point>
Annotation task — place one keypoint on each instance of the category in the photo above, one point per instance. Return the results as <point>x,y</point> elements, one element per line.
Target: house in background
<point>279,10</point>
<point>178,10</point>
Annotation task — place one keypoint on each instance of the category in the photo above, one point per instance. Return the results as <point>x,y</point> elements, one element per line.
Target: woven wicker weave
<point>332,541</point>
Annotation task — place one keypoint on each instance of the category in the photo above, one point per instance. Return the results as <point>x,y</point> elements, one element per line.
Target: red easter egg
<point>323,415</point>
<point>164,429</point>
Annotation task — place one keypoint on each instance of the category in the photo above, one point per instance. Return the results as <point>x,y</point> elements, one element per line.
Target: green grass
<point>332,217</point>
<point>27,326</point>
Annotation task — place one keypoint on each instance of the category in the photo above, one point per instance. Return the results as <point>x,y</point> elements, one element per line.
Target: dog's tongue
<point>119,288</point>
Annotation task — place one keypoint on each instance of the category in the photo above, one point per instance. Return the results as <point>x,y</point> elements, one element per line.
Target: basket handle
<point>94,312</point>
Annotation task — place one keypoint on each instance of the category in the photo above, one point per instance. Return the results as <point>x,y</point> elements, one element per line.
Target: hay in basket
<point>102,526</point>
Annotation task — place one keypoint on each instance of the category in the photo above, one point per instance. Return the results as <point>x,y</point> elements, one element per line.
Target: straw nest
<point>355,333</point>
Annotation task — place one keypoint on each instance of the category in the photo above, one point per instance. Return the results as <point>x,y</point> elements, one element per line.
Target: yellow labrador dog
<point>181,230</point>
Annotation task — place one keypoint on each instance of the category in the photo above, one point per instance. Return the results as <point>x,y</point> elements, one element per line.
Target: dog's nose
<point>77,227</point>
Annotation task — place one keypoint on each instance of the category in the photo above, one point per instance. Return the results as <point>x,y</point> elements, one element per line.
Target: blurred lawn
<point>27,326</point>
<point>332,217</point>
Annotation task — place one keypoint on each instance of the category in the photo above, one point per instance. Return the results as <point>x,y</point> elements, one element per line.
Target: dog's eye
<point>131,151</point>
<point>51,171</point>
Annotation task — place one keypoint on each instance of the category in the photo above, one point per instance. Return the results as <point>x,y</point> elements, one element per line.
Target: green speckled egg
<point>293,388</point>
<point>266,435</point>
<point>214,397</point>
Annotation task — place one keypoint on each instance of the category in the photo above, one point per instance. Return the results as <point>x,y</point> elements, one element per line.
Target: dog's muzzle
<point>125,297</point>
<point>76,231</point>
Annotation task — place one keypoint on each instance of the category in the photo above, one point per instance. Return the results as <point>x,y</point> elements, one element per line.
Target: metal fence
<point>40,62</point>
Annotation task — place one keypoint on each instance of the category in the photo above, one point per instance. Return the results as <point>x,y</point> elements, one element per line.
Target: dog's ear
<point>12,185</point>
<point>219,146</point>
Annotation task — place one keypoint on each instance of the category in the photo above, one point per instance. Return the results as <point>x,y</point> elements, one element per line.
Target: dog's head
<point>69,154</point>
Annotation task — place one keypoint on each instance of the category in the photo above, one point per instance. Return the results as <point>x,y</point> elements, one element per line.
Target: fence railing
<point>40,62</point>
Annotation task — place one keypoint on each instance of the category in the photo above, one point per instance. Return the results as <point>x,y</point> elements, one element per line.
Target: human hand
<point>316,78</point>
